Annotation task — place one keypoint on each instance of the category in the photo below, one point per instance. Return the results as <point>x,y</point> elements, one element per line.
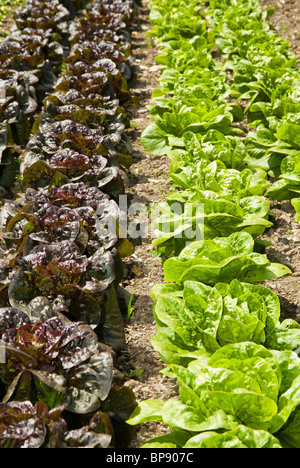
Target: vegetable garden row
<point>64,74</point>
<point>218,327</point>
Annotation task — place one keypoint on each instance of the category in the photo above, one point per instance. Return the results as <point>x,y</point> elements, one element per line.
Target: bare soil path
<point>147,185</point>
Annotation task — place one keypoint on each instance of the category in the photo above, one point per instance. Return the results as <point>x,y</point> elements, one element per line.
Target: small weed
<point>130,309</point>
<point>133,373</point>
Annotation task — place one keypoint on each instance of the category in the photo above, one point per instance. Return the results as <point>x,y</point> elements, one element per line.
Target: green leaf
<point>241,437</point>
<point>289,133</point>
<point>175,439</point>
<point>176,414</point>
<point>155,141</point>
<point>149,410</point>
<point>296,204</point>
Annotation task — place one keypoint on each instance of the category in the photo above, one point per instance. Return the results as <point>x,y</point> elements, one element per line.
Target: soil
<point>286,20</point>
<point>143,270</point>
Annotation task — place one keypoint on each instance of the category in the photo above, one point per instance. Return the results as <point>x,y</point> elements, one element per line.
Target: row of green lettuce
<point>267,77</point>
<point>218,330</point>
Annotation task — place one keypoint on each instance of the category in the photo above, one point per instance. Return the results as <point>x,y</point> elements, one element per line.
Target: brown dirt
<point>286,20</point>
<point>147,184</point>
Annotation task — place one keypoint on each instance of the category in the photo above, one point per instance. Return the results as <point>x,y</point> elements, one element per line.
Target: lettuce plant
<point>236,365</point>
<point>30,60</point>
<point>206,216</point>
<point>196,316</point>
<point>266,79</point>
<point>287,187</point>
<point>84,288</point>
<point>212,185</point>
<point>222,260</point>
<point>67,166</point>
<point>285,336</point>
<point>50,361</point>
<point>33,219</point>
<point>213,146</point>
<point>44,16</point>
<point>241,437</point>
<point>239,384</point>
<point>62,365</point>
<point>213,177</point>
<point>60,265</point>
<point>24,425</point>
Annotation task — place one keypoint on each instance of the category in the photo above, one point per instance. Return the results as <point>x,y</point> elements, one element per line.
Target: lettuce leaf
<point>196,316</point>
<point>222,260</point>
<point>239,384</point>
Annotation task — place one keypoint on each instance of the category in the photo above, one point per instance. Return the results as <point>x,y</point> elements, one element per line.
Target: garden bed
<point>136,371</point>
